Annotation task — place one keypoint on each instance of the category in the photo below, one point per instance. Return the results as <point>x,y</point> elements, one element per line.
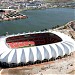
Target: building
<point>33,47</point>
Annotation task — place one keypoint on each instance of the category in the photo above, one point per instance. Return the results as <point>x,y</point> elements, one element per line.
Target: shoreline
<point>20,10</point>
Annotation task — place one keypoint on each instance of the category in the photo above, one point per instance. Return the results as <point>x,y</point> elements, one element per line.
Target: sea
<point>38,20</point>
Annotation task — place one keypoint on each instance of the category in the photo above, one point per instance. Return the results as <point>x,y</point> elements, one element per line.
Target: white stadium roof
<point>8,55</point>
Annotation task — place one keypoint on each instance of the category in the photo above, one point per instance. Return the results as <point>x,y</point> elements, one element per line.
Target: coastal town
<point>35,4</point>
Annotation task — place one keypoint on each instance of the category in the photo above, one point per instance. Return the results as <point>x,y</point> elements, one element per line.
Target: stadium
<point>19,49</point>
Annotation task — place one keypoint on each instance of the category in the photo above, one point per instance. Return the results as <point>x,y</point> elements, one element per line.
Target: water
<point>38,20</point>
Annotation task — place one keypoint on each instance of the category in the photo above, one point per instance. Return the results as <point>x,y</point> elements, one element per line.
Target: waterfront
<point>38,20</point>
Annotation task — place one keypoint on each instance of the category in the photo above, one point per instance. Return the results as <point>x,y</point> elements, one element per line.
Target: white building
<point>15,54</point>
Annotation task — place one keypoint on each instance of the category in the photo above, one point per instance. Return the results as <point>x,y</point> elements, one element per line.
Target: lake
<point>38,20</point>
